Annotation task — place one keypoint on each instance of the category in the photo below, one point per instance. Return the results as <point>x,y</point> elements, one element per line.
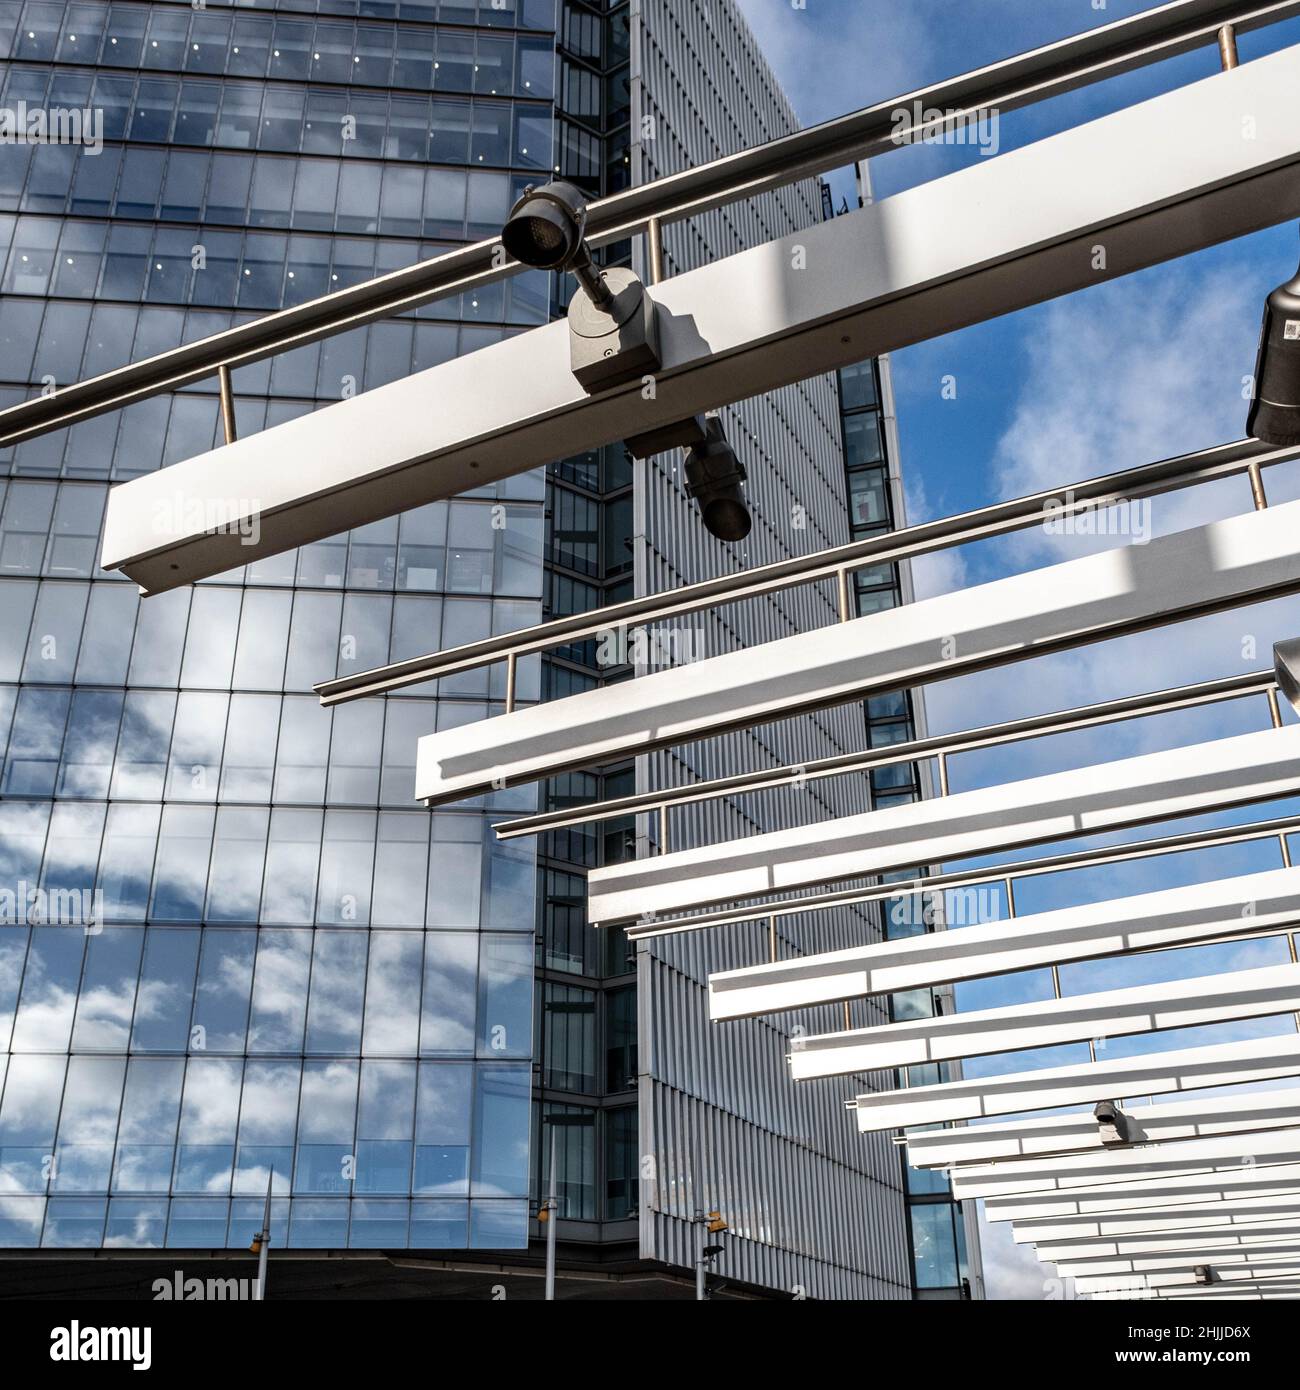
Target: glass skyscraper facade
<point>295,971</point>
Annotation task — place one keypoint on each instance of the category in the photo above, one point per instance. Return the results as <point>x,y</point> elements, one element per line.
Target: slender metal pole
<point>700,1292</point>
<point>1228,47</point>
<point>1257,493</point>
<point>227,403</point>
<point>552,1209</point>
<point>512,671</point>
<point>264,1244</point>
<point>654,240</point>
<point>842,586</point>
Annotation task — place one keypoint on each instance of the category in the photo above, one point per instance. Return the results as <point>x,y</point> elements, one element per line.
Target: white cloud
<point>1014,1271</point>
<point>833,56</point>
<point>1142,368</point>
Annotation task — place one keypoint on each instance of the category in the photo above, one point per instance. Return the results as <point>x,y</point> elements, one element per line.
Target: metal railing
<point>1246,456</point>
<point>1108,51</point>
<point>1277,829</point>
<point>938,746</point>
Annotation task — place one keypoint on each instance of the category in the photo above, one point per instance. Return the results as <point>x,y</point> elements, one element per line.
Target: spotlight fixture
<point>713,472</point>
<point>1112,1123</point>
<point>713,477</point>
<point>1275,409</point>
<point>613,330</point>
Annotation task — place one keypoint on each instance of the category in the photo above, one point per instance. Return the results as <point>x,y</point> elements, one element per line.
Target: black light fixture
<point>713,477</point>
<point>713,472</point>
<point>613,328</point>
<point>546,230</point>
<point>1275,409</point>
<point>1112,1123</point>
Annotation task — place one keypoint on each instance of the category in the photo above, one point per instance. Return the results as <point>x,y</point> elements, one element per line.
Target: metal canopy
<point>1228,1187</point>
<point>1148,1124</point>
<point>1060,806</point>
<point>1283,1267</point>
<point>1214,1217</point>
<point>1083,1083</point>
<point>1238,1237</point>
<point>1160,179</point>
<point>1218,998</point>
<point>1198,912</point>
<point>1140,1164</point>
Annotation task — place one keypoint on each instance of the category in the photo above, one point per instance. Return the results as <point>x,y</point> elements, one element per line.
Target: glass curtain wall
<point>233,952</point>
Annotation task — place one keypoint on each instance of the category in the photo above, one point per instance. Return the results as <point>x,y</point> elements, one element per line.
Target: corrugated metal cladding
<point>813,1206</point>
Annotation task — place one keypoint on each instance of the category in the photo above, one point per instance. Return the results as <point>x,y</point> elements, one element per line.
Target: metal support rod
<point>842,589</point>
<point>701,1294</point>
<point>771,939</point>
<point>1228,47</point>
<point>654,242</point>
<point>552,1210</point>
<point>1274,709</point>
<point>227,403</point>
<point>1286,851</point>
<point>943,774</point>
<point>264,1243</point>
<point>512,664</point>
<point>848,1020</point>
<point>1148,37</point>
<point>1257,493</point>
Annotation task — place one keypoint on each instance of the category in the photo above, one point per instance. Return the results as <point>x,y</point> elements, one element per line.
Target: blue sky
<point>1123,373</point>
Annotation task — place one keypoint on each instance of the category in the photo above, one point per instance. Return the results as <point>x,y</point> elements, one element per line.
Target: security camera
<point>1112,1123</point>
<point>1204,1274</point>
<point>613,327</point>
<point>1275,409</point>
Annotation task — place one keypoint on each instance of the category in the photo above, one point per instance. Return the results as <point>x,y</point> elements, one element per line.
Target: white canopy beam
<point>1209,1217</point>
<point>1147,1124</point>
<point>1220,998</point>
<point>1144,1163</point>
<point>1158,180</point>
<point>1265,1269</point>
<point>1176,916</point>
<point>1237,1237</point>
<point>1221,564</point>
<point>1082,1083</point>
<point>1203,1189</point>
<point>1060,806</point>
